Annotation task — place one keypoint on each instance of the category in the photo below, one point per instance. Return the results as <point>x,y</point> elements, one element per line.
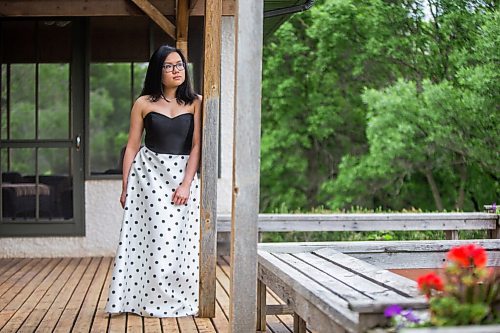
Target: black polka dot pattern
<point>156,267</point>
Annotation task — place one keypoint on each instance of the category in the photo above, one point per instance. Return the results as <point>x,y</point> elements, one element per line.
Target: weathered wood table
<point>331,291</point>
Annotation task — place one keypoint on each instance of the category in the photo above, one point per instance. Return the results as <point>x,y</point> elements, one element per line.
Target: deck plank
<point>134,323</point>
<point>7,264</point>
<point>169,325</point>
<point>13,299</point>
<point>29,303</point>
<point>15,266</point>
<point>101,319</point>
<point>26,272</point>
<point>152,325</point>
<point>72,308</point>
<point>69,295</point>
<point>273,322</point>
<point>34,318</point>
<point>16,300</point>
<point>57,307</point>
<point>204,325</point>
<point>187,324</point>
<point>117,323</point>
<point>221,321</point>
<point>90,303</point>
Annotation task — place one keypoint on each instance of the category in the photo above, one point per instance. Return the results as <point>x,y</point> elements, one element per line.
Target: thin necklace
<point>168,100</point>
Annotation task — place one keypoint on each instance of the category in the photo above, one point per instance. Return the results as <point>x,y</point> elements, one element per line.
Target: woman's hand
<point>123,198</point>
<point>181,194</point>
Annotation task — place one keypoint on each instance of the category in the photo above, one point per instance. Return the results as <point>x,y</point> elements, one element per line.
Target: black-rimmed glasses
<point>167,68</point>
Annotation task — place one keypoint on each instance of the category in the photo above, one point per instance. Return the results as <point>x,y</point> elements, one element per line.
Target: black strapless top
<point>167,135</point>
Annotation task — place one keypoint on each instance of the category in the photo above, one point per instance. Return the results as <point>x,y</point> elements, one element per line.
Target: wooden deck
<point>69,294</point>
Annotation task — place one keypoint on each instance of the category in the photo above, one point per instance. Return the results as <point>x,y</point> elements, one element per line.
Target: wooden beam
<point>192,4</point>
<point>197,8</point>
<point>55,8</point>
<point>156,16</point>
<point>30,8</point>
<point>182,23</point>
<point>246,165</point>
<point>211,104</point>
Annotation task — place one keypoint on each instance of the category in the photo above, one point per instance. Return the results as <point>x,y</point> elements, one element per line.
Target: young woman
<point>155,271</point>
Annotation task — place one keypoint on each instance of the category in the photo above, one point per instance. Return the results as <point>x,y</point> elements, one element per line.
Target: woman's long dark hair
<point>152,83</point>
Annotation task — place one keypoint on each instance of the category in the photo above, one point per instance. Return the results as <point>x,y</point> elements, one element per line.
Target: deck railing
<point>450,223</point>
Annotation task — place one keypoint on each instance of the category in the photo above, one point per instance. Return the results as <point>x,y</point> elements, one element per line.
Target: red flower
<point>467,255</point>
<point>429,282</point>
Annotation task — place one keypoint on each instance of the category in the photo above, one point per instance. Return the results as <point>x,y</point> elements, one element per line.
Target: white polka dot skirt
<point>156,267</point>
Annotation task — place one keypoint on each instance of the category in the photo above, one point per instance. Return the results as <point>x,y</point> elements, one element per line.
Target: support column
<point>181,26</point>
<point>209,154</point>
<point>246,164</point>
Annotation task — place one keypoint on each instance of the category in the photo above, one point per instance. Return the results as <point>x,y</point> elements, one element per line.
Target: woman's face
<point>173,75</point>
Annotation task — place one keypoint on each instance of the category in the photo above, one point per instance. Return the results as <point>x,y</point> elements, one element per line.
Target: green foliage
<point>378,104</point>
<point>451,312</point>
<point>471,294</point>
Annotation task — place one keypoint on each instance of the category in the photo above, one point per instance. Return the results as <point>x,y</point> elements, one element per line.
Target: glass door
<point>41,158</point>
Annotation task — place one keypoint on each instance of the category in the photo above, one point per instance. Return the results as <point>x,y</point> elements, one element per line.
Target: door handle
<point>78,141</point>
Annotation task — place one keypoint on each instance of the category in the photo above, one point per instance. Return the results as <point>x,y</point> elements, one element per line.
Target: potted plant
<point>469,294</point>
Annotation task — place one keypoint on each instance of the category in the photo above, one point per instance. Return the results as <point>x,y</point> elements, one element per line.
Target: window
<point>40,165</point>
<point>113,89</point>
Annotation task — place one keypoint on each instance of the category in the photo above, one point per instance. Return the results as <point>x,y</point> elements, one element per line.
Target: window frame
<point>59,227</point>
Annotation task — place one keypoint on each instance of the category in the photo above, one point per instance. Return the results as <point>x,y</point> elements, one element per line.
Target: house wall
<point>103,213</point>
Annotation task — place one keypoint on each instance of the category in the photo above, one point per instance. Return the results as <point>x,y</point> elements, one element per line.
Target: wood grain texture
<point>20,316</point>
<point>209,153</point>
<point>69,294</point>
<point>32,320</point>
<point>331,290</point>
<point>15,297</point>
<point>157,16</point>
<point>246,165</point>
<point>181,27</point>
<point>197,8</point>
<point>393,254</point>
<point>29,8</point>
<point>369,222</point>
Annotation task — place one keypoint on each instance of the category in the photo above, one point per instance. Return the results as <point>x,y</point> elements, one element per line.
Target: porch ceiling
<point>273,23</point>
<point>58,8</point>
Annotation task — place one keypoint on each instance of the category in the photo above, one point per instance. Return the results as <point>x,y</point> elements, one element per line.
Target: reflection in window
<point>21,190</point>
<point>113,89</point>
<point>36,182</point>
<point>53,101</point>
<point>22,106</point>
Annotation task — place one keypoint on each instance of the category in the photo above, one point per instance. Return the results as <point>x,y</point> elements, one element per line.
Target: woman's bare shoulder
<point>199,99</point>
<point>143,100</point>
<point>141,104</point>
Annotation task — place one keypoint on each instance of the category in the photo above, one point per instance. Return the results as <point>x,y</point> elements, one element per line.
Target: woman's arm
<point>182,193</point>
<point>133,143</point>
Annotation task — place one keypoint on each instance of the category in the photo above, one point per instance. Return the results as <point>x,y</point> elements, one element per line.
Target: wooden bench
<point>333,287</point>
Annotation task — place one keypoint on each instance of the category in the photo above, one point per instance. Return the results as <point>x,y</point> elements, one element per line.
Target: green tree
<point>382,103</point>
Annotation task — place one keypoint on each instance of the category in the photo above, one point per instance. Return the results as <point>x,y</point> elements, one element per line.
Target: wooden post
<point>209,153</point>
<point>261,306</point>
<point>299,324</point>
<point>246,164</point>
<point>495,233</point>
<point>181,27</point>
<point>451,234</point>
